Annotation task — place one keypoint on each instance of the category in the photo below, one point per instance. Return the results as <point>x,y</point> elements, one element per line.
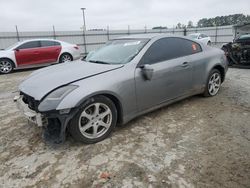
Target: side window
<point>47,43</point>
<point>169,48</point>
<point>189,47</point>
<point>28,45</point>
<point>203,36</point>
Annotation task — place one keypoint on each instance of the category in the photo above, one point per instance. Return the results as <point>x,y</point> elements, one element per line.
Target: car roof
<point>150,36</point>
<point>156,36</point>
<point>41,39</point>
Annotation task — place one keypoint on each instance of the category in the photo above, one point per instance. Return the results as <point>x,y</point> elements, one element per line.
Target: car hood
<point>41,82</point>
<point>3,52</point>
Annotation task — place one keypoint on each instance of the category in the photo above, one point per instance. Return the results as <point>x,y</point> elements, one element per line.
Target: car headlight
<point>55,97</point>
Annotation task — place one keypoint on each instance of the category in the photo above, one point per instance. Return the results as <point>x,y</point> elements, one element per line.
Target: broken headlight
<point>53,99</point>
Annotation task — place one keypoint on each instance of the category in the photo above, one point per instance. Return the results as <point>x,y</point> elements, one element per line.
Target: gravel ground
<point>198,142</point>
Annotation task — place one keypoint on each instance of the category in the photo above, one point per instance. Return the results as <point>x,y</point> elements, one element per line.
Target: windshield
<point>244,37</point>
<point>118,51</point>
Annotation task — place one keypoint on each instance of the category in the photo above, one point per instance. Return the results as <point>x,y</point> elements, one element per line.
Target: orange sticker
<point>194,47</point>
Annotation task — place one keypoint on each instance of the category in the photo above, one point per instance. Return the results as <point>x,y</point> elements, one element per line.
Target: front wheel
<point>95,120</point>
<point>6,66</point>
<point>213,83</point>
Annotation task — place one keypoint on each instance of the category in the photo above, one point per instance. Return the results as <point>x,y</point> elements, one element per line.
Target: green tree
<point>179,26</point>
<point>159,27</point>
<point>190,24</point>
<point>223,20</point>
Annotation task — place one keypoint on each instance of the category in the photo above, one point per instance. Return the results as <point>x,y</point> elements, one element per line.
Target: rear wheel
<point>213,83</point>
<point>6,66</point>
<point>65,58</point>
<point>95,120</point>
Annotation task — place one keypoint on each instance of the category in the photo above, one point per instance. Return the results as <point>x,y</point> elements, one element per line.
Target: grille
<point>30,101</point>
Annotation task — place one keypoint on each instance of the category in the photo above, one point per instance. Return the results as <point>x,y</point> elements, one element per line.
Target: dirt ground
<point>198,142</point>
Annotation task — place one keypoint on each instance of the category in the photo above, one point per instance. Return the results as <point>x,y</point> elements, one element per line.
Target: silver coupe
<point>125,78</point>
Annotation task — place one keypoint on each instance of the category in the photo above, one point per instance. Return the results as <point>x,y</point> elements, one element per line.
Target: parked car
<point>238,51</point>
<point>125,78</point>
<point>37,52</point>
<point>201,37</point>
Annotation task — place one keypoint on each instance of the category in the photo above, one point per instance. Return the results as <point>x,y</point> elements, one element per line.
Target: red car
<point>37,52</point>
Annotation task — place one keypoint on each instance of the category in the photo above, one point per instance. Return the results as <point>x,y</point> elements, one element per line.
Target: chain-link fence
<point>95,39</point>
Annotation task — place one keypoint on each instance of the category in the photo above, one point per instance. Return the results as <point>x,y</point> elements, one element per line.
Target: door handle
<point>185,64</point>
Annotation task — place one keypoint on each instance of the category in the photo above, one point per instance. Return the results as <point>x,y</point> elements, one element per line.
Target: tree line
<point>211,22</point>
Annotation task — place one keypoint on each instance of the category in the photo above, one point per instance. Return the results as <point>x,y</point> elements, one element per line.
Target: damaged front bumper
<point>54,123</point>
<point>29,114</point>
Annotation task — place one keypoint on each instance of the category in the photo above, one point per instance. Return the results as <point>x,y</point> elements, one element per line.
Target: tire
<point>90,125</point>
<point>213,83</point>
<point>209,43</point>
<point>6,66</point>
<point>65,57</point>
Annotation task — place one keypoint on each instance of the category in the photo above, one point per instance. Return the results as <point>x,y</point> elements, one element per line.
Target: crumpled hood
<point>41,82</point>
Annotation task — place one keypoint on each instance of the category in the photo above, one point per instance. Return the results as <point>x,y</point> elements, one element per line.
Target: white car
<point>36,52</point>
<point>201,37</point>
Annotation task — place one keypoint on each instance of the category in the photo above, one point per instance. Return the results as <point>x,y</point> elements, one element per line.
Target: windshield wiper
<point>100,62</point>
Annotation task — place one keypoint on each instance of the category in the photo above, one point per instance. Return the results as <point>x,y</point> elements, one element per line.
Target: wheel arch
<point>222,71</point>
<point>14,64</point>
<point>118,105</point>
<point>65,53</point>
<point>113,97</point>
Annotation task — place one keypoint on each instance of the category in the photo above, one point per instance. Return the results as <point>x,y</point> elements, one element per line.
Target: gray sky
<point>32,15</point>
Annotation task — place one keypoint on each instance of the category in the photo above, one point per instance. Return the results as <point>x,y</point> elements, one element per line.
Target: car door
<point>50,51</point>
<point>28,53</point>
<point>164,72</point>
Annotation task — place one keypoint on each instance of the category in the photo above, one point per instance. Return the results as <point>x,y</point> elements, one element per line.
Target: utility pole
<point>17,34</point>
<point>84,30</point>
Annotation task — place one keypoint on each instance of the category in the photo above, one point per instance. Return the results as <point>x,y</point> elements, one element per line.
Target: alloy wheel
<point>5,66</point>
<point>66,58</point>
<point>214,84</point>
<point>95,120</point>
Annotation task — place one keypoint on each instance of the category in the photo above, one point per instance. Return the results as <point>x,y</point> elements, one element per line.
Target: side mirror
<point>17,50</point>
<point>147,71</point>
<point>199,37</point>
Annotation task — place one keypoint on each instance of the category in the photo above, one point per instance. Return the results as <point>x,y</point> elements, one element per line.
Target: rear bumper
<point>29,114</point>
<point>76,55</point>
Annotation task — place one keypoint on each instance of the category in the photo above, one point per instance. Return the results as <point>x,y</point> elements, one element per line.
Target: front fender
<point>118,84</point>
<point>78,97</point>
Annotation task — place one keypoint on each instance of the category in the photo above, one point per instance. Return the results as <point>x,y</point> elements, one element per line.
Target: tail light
<point>76,47</point>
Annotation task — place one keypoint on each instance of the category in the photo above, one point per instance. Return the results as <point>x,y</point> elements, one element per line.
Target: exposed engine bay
<point>238,51</point>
